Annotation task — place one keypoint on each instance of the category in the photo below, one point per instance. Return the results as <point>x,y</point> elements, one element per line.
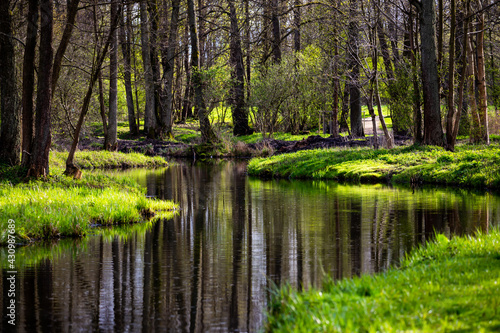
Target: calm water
<point>210,268</point>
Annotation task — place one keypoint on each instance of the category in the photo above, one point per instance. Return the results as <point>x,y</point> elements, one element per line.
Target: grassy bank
<point>106,160</point>
<point>448,285</point>
<point>60,206</point>
<point>472,166</point>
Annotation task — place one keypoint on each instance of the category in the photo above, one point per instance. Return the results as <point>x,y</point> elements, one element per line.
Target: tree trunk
<point>353,63</point>
<point>111,140</point>
<point>10,137</point>
<point>417,112</point>
<point>168,69</point>
<point>275,21</point>
<point>125,40</point>
<point>39,164</point>
<point>296,25</point>
<point>149,111</point>
<point>471,87</point>
<point>102,110</point>
<point>207,133</point>
<point>100,55</point>
<point>29,82</point>
<point>433,130</point>
<point>72,10</point>
<point>450,140</point>
<point>237,94</point>
<point>483,133</point>
<point>155,64</point>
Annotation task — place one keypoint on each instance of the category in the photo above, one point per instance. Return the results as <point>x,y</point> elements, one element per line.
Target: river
<point>212,266</point>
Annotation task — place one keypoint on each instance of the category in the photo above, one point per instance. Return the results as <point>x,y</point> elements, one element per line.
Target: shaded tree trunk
<point>353,63</point>
<point>149,110</point>
<point>296,25</point>
<point>433,130</point>
<point>207,133</point>
<point>111,140</point>
<point>276,29</point>
<point>482,132</point>
<point>237,94</point>
<point>10,130</point>
<point>39,163</point>
<point>29,82</point>
<point>100,55</point>
<point>168,69</point>
<point>450,140</point>
<point>125,41</point>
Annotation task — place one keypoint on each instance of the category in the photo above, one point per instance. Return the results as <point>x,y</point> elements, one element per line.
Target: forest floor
<point>447,285</point>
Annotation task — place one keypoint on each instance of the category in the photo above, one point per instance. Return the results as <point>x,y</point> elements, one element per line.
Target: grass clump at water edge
<point>471,166</point>
<point>447,285</point>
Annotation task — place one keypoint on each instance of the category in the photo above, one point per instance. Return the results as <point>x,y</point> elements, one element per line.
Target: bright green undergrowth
<point>106,160</point>
<point>256,137</point>
<point>51,209</point>
<point>60,206</point>
<point>473,166</point>
<point>447,285</point>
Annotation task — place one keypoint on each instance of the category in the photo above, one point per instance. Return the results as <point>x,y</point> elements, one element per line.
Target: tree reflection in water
<point>210,268</point>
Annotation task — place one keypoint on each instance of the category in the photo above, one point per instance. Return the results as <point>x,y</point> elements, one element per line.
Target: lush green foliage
<point>446,285</point>
<point>474,166</point>
<point>60,206</point>
<point>63,207</point>
<point>106,160</point>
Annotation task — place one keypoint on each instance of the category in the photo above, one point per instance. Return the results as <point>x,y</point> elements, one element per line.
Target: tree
<point>29,81</point>
<point>433,130</point>
<point>111,142</point>
<point>207,133</point>
<point>125,35</point>
<point>353,63</point>
<point>168,68</point>
<point>39,163</point>
<point>149,110</point>
<point>10,131</point>
<point>237,98</point>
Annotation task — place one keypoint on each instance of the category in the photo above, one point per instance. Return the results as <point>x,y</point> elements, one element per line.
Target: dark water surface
<point>210,268</point>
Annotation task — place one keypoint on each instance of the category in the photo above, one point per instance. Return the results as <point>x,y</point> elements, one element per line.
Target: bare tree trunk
<point>450,140</point>
<point>149,111</point>
<point>207,133</point>
<point>10,130</point>
<point>168,69</point>
<point>481,83</point>
<point>471,89</point>
<point>102,110</point>
<point>240,115</point>
<point>275,20</point>
<point>433,130</point>
<point>417,112</point>
<point>296,25</point>
<point>39,164</point>
<point>99,56</point>
<point>353,63</point>
<point>72,10</point>
<point>29,82</point>
<point>125,41</point>
<point>111,140</point>
<point>463,76</point>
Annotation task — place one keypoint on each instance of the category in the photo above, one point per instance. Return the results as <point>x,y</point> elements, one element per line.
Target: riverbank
<point>61,206</point>
<point>470,165</point>
<point>445,285</point>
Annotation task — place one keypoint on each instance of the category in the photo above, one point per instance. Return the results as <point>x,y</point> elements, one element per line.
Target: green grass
<point>103,159</point>
<point>256,137</point>
<point>448,285</point>
<point>59,206</point>
<point>471,166</point>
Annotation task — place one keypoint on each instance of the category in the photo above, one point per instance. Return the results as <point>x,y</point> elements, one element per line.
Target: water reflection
<point>210,268</point>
